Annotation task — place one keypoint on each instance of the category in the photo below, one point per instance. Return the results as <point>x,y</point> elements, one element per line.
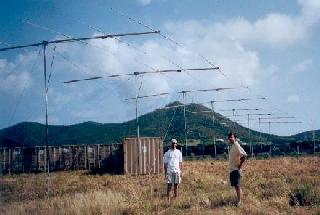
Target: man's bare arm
<point>242,160</point>
<point>165,168</point>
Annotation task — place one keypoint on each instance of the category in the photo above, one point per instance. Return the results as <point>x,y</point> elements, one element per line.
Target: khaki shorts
<point>173,178</point>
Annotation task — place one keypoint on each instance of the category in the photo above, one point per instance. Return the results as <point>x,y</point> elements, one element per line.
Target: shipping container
<point>144,156</point>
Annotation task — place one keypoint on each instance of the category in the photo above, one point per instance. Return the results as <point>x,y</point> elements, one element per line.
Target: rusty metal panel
<point>144,157</point>
<point>100,157</point>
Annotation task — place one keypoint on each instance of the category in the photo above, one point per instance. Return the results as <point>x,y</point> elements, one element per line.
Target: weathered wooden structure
<point>71,157</point>
<point>129,157</point>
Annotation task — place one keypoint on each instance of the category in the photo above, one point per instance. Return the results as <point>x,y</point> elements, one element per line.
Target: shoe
<point>238,204</point>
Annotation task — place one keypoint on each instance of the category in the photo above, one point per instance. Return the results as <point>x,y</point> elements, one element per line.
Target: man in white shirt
<point>172,160</point>
<point>236,158</point>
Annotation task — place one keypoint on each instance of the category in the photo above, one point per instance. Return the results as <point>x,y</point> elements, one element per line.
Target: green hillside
<point>166,122</point>
<point>307,135</point>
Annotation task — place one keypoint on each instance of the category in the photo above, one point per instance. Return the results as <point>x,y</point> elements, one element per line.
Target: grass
<point>274,186</point>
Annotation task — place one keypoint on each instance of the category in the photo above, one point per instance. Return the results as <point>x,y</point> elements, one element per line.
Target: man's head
<point>232,137</point>
<point>174,143</point>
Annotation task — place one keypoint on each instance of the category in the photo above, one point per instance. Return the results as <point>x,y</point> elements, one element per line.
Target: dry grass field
<point>269,186</point>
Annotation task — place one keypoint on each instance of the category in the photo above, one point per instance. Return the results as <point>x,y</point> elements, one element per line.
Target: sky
<point>263,49</point>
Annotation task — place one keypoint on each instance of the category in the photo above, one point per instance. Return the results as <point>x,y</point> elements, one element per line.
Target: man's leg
<point>175,190</point>
<point>177,180</point>
<point>238,190</point>
<point>235,182</point>
<point>169,190</point>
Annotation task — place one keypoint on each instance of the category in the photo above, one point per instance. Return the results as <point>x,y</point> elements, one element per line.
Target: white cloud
<point>272,29</point>
<point>103,100</point>
<point>144,2</point>
<point>222,43</point>
<point>293,99</point>
<point>310,11</point>
<point>14,77</point>
<point>303,66</point>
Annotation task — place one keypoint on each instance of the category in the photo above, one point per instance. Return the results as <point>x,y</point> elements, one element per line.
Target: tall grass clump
<point>305,195</point>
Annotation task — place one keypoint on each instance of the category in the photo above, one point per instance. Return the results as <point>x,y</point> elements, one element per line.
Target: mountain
<point>166,122</point>
<point>33,134</point>
<point>306,136</point>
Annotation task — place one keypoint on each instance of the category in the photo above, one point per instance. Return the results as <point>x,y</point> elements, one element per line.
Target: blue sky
<point>270,46</point>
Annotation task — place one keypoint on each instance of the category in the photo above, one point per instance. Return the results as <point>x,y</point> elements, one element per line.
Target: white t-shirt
<point>235,153</point>
<point>172,158</point>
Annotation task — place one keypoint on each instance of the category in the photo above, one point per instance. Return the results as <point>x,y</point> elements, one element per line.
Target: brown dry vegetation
<point>268,186</point>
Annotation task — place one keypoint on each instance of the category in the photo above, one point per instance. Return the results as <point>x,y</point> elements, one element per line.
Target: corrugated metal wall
<point>145,157</point>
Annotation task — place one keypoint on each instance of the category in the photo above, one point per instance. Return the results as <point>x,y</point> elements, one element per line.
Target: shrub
<point>304,196</point>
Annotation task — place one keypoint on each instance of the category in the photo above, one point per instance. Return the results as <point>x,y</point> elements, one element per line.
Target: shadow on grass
<point>102,171</point>
<point>221,202</point>
<point>111,165</point>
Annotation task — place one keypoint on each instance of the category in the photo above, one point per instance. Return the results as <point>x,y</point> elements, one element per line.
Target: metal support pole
<point>215,147</point>
<point>74,163</point>
<point>60,158</point>
<point>234,119</point>
<point>185,122</point>
<point>260,138</point>
<point>138,129</point>
<point>39,159</point>
<point>137,119</point>
<point>10,160</point>
<point>85,157</point>
<point>45,43</point>
<point>314,141</point>
<point>250,144</point>
<point>4,160</point>
<point>45,159</point>
<point>214,137</point>
<point>99,166</point>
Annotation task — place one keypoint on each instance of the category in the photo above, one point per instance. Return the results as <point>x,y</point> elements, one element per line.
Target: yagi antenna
<point>143,73</point>
<point>44,44</point>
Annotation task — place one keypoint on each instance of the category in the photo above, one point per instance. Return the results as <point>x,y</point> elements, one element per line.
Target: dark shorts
<point>235,178</point>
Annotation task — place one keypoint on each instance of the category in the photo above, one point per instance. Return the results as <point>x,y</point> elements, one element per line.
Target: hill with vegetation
<point>166,122</point>
<point>306,136</point>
